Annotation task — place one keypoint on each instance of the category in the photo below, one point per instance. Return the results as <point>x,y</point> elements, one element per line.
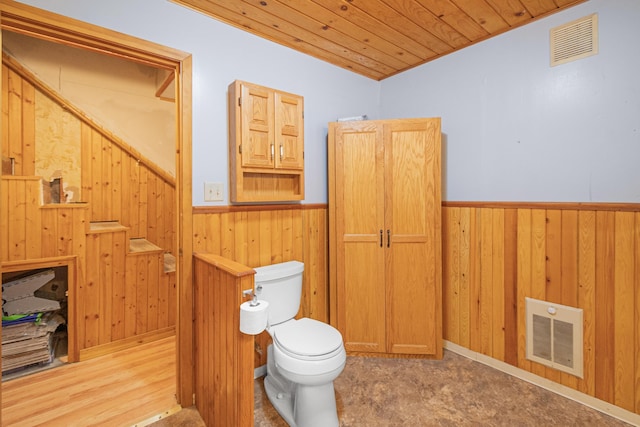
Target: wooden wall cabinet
<point>385,236</point>
<point>266,144</point>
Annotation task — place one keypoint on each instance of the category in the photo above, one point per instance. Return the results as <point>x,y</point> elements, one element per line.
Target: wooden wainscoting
<point>494,255</point>
<point>224,355</point>
<point>268,234</point>
<point>581,255</point>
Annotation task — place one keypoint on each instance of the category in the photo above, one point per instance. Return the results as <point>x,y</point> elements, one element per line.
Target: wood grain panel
<point>625,358</point>
<point>604,307</point>
<point>451,274</point>
<point>224,355</point>
<point>465,275</point>
<point>486,288</point>
<point>510,286</point>
<point>497,313</point>
<point>586,274</point>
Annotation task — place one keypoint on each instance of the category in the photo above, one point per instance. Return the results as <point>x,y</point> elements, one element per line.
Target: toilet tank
<point>280,285</point>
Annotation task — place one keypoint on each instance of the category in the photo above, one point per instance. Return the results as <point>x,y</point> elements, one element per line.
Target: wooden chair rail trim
<point>228,266</point>
<point>71,108</point>
<point>584,206</point>
<point>580,206</point>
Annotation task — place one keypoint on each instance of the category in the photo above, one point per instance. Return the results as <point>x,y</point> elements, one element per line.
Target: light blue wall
<point>517,129</point>
<point>221,54</point>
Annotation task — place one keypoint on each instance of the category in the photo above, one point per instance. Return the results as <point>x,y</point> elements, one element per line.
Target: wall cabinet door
<point>289,128</point>
<point>385,256</point>
<point>255,141</point>
<point>266,144</point>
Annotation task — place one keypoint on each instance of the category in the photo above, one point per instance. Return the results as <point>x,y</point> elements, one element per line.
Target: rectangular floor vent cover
<point>575,40</point>
<point>554,336</point>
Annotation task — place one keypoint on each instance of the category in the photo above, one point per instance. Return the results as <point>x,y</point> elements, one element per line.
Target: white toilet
<point>306,355</point>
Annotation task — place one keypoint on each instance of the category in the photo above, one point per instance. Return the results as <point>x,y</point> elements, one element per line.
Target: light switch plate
<point>212,191</point>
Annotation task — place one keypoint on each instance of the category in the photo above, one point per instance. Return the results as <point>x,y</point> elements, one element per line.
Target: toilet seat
<point>308,339</point>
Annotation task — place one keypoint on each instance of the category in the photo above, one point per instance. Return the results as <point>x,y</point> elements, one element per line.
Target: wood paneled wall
<point>224,355</point>
<point>117,186</point>
<point>262,235</point>
<point>119,295</point>
<point>585,256</point>
<point>117,182</point>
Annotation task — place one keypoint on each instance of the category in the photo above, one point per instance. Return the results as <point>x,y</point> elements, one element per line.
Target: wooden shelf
<point>106,227</point>
<point>142,246</point>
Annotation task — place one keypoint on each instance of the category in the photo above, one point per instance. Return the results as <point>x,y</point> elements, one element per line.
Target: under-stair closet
<point>86,212</point>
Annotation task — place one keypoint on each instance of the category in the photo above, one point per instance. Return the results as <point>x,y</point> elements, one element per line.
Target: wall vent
<point>554,336</point>
<point>575,40</point>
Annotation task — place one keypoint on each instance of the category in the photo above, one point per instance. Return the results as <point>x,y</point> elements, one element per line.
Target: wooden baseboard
<point>101,350</point>
<point>569,393</point>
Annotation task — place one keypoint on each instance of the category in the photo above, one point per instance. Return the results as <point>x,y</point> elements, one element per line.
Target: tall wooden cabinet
<point>266,144</point>
<point>385,235</point>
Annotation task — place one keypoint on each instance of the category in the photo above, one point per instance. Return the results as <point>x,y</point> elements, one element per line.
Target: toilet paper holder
<point>254,296</point>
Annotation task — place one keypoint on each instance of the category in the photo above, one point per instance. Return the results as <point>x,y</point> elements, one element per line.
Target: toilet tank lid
<point>277,271</point>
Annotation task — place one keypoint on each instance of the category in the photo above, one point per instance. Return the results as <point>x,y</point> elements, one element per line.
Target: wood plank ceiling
<point>377,38</point>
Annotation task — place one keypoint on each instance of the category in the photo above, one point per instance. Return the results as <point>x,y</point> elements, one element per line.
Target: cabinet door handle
<point>381,238</point>
<point>388,238</point>
<point>281,152</point>
<point>272,151</point>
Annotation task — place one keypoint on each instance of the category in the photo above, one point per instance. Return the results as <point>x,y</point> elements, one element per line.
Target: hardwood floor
<point>126,388</point>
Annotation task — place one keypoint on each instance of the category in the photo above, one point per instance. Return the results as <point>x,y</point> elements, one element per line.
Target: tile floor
<point>455,391</point>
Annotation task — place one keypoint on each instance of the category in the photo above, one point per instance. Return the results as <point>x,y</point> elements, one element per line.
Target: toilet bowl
<point>306,355</point>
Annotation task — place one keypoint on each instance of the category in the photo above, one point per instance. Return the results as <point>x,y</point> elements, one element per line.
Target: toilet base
<point>297,404</point>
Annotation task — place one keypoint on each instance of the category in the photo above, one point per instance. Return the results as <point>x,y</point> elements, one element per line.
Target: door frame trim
<point>46,25</point>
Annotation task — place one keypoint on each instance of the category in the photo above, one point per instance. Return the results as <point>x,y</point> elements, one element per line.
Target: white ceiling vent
<point>575,40</point>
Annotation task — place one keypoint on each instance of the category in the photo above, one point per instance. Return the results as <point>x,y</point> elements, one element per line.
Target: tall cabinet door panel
<point>412,181</point>
<point>360,260</point>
